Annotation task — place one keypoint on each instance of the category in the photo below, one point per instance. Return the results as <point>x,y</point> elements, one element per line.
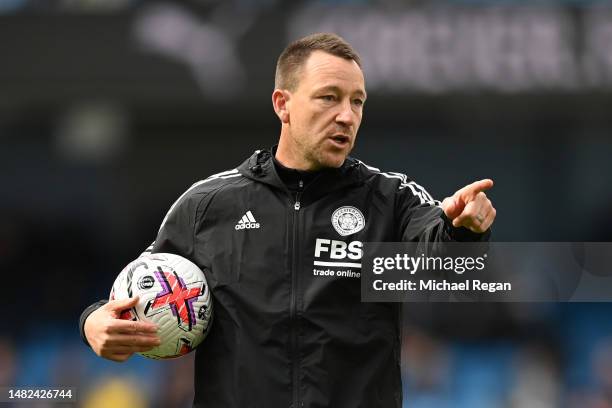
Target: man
<point>283,336</point>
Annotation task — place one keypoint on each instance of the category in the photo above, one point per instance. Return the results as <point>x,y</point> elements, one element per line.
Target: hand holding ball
<point>173,294</point>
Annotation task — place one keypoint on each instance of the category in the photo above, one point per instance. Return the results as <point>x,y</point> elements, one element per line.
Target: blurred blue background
<point>109,110</point>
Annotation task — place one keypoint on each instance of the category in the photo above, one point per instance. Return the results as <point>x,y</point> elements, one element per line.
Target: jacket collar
<point>260,168</point>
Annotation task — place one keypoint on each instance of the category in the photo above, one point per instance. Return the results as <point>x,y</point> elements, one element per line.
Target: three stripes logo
<point>247,222</point>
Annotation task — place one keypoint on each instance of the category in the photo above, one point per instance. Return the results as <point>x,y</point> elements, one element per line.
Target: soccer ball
<point>173,294</point>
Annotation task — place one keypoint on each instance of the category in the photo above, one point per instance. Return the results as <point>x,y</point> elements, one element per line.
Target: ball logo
<point>347,220</point>
<point>146,282</point>
<point>202,312</point>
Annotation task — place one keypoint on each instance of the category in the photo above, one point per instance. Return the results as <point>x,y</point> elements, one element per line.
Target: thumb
<point>122,304</point>
<point>451,207</point>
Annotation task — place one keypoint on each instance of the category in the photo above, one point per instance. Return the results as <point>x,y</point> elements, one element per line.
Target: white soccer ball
<point>173,294</point>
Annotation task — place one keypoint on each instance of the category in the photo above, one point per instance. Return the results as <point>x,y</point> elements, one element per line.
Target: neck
<point>288,156</point>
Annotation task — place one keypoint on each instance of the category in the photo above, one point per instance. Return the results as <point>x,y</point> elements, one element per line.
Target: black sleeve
<point>424,222</point>
<point>89,310</point>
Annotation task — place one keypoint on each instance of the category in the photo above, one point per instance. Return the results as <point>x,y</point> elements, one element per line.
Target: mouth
<point>340,140</point>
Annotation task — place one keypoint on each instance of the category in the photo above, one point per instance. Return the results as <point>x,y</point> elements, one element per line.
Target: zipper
<point>293,307</point>
<point>297,204</point>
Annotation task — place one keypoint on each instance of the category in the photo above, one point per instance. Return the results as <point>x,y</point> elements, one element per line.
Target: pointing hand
<point>469,207</point>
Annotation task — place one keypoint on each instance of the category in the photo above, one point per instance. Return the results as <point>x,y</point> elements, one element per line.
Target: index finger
<point>476,187</point>
<point>132,326</point>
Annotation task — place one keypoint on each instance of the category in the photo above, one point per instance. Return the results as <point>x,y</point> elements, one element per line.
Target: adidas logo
<point>247,222</point>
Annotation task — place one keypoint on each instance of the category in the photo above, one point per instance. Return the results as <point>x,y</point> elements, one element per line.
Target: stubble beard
<point>321,157</point>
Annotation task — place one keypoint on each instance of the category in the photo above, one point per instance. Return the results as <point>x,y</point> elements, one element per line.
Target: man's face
<point>325,110</point>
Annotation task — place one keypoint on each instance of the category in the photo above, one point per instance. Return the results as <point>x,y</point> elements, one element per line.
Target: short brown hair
<point>296,53</point>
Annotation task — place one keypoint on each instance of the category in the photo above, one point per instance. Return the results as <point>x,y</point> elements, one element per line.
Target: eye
<point>328,98</point>
<point>358,102</point>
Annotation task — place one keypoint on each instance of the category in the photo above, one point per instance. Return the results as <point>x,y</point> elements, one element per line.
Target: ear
<point>280,101</point>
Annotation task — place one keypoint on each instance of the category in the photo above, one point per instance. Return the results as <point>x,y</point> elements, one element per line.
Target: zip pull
<point>297,204</point>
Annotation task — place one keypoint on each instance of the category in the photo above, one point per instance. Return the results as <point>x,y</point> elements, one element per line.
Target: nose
<point>346,116</point>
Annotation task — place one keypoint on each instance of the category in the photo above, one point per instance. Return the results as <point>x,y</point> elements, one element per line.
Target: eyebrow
<point>334,88</point>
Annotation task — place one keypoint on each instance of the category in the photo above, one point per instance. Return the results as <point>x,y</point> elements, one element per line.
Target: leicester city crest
<point>347,220</point>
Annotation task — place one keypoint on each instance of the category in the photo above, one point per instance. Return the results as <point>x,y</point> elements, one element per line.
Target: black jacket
<point>283,336</point>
